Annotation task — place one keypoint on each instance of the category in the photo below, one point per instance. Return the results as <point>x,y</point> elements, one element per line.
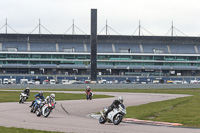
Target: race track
<point>77,121</point>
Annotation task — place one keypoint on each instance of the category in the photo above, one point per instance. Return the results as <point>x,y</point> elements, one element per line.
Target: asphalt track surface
<point>77,120</point>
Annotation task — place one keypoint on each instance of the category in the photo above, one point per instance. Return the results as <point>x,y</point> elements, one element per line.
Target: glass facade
<point>162,60</point>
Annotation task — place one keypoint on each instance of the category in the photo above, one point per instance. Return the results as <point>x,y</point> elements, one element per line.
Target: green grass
<point>13,96</point>
<point>21,130</point>
<point>184,110</point>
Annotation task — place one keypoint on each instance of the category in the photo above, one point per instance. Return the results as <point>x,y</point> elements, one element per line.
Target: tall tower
<point>93,45</point>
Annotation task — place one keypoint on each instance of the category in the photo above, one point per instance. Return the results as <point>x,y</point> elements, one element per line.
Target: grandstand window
<point>177,64</point>
<point>102,57</point>
<point>37,56</point>
<point>11,62</point>
<point>22,62</point>
<point>12,56</point>
<point>23,56</point>
<point>86,63</point>
<point>102,63</point>
<point>56,62</point>
<point>147,57</point>
<point>148,63</point>
<point>181,58</point>
<point>34,62</point>
<point>46,56</point>
<point>87,56</point>
<point>69,56</point>
<point>139,63</point>
<point>113,56</point>
<point>158,57</point>
<point>193,58</point>
<point>170,58</point>
<point>45,62</point>
<point>57,56</point>
<point>137,57</point>
<point>80,57</point>
<point>2,55</point>
<point>158,63</point>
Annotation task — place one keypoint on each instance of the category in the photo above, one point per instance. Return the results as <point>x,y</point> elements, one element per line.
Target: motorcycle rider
<point>50,98</point>
<point>88,92</point>
<point>115,104</point>
<point>26,91</point>
<point>40,95</point>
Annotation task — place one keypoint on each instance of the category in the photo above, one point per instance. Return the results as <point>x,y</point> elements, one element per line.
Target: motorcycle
<point>89,95</point>
<point>115,116</point>
<point>37,104</point>
<point>45,109</point>
<point>23,97</point>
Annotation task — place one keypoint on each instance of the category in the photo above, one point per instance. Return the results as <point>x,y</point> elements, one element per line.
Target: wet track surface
<point>77,120</point>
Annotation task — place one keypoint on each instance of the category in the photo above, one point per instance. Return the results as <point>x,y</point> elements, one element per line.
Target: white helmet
<point>88,87</point>
<point>41,93</point>
<point>27,88</point>
<point>120,99</point>
<point>52,96</point>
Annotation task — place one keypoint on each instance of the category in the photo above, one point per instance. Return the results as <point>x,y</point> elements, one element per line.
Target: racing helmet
<point>41,93</point>
<point>52,96</point>
<point>120,99</point>
<point>88,87</point>
<point>27,88</point>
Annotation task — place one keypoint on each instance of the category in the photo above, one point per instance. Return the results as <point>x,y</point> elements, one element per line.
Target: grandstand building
<point>116,55</point>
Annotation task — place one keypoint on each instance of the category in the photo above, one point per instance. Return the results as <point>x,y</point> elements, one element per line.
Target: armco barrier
<point>102,86</point>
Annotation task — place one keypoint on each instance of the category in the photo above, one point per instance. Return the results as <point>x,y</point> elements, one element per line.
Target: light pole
<point>128,69</point>
<point>160,71</point>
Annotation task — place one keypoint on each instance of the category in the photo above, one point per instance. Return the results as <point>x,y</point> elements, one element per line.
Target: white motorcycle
<point>23,97</point>
<point>115,116</point>
<point>46,109</point>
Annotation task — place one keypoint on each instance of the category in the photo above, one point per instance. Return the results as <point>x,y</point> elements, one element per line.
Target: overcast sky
<point>123,16</point>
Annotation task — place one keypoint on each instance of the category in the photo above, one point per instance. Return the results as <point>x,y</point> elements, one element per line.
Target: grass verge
<point>13,96</point>
<point>21,130</point>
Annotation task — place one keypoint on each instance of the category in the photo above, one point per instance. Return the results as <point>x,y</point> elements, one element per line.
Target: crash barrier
<point>102,86</point>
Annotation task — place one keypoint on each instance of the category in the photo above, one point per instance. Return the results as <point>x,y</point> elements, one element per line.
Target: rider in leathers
<point>40,95</point>
<point>115,104</point>
<point>50,99</point>
<point>26,91</point>
<point>88,92</point>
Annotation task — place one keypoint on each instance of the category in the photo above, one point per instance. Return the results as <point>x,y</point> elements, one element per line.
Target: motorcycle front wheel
<point>38,112</point>
<point>102,120</point>
<point>34,109</point>
<point>47,112</point>
<point>22,101</point>
<point>117,119</point>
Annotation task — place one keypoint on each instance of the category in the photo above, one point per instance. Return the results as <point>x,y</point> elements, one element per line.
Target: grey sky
<point>123,15</point>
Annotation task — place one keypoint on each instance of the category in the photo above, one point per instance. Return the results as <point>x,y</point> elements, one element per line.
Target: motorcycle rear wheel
<point>102,120</point>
